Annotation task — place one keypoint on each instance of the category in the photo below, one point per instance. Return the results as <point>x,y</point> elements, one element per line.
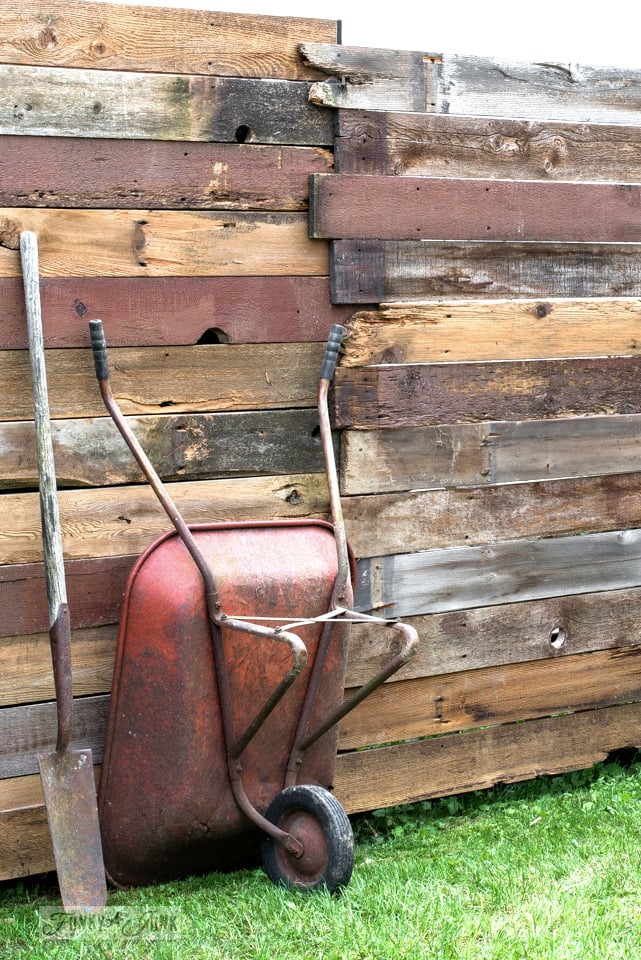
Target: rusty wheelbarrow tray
<point>228,690</point>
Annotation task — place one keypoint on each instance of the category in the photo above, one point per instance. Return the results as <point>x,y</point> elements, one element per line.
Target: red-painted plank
<point>441,208</point>
<point>173,310</point>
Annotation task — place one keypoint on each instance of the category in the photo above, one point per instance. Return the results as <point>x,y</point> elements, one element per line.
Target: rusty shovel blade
<point>70,798</point>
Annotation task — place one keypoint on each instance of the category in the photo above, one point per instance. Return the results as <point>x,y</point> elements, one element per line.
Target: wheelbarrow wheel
<point>313,816</point>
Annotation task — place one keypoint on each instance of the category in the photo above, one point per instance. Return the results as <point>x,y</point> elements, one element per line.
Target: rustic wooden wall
<point>489,454</point>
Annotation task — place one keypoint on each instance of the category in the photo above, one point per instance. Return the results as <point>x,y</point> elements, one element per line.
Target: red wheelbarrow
<point>228,691</point>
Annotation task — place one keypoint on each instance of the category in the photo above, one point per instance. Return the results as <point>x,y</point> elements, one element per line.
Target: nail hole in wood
<point>558,636</point>
<point>244,134</point>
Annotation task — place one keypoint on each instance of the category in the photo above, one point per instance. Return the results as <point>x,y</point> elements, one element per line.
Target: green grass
<point>546,870</point>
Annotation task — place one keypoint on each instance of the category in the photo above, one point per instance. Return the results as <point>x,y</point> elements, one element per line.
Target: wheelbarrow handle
<point>332,350</point>
<point>99,347</point>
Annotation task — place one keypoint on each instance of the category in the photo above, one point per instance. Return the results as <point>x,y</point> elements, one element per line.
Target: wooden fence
<point>487,268</point>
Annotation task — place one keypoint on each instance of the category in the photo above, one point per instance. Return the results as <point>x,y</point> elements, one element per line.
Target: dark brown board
<point>400,395</point>
<point>349,206</point>
<point>367,271</point>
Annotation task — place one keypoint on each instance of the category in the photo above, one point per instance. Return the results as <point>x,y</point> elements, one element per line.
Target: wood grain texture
<point>426,519</point>
<point>458,578</point>
<point>481,637</point>
<point>492,330</point>
<point>351,206</point>
<point>129,37</point>
<point>25,842</point>
<point>198,379</point>
<point>55,102</point>
<point>26,674</point>
<point>375,461</point>
<point>495,695</point>
<point>77,172</point>
<point>388,79</point>
<point>95,588</point>
<point>439,145</point>
<point>162,243</point>
<point>400,395</point>
<point>369,779</point>
<point>367,271</point>
<point>29,730</point>
<point>181,447</point>
<point>178,310</point>
<point>465,85</point>
<point>120,521</point>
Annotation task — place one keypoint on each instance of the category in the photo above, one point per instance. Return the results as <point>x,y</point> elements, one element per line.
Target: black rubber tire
<point>315,817</point>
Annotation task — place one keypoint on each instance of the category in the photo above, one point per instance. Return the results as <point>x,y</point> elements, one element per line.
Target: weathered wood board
<point>440,145</point>
<point>162,243</point>
<point>369,271</point>
<point>457,578</point>
<point>86,173</point>
<point>173,310</point>
<point>401,395</point>
<point>449,455</point>
<point>158,39</point>
<point>63,102</point>
<point>493,330</point>
<point>352,206</point>
<point>376,79</point>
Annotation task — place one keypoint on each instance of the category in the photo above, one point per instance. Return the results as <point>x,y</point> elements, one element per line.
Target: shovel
<point>67,775</point>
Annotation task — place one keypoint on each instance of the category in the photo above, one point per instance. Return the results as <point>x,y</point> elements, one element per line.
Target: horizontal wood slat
<point>53,102</point>
<point>72,172</point>
<point>492,330</point>
<point>367,779</point>
<point>350,206</point>
<point>159,39</point>
<point>181,447</point>
<point>505,694</point>
<point>370,79</point>
<point>437,145</point>
<point>178,310</point>
<point>118,521</point>
<point>374,461</point>
<point>457,578</point>
<point>399,395</point>
<point>421,520</point>
<point>26,674</point>
<point>199,379</point>
<point>482,637</point>
<point>163,243</point>
<point>367,271</point>
<point>95,588</point>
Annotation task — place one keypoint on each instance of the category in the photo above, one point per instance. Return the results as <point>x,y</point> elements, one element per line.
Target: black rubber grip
<point>331,351</point>
<point>99,347</point>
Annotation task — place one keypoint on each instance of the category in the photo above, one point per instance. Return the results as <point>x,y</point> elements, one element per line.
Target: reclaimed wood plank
<point>95,588</point>
<point>439,145</point>
<point>376,461</point>
<point>492,330</point>
<point>352,206</point>
<point>151,311</point>
<point>400,395</point>
<point>112,36</point>
<point>181,447</point>
<point>456,578</point>
<point>392,523</point>
<point>389,79</point>
<point>26,674</point>
<point>25,842</point>
<point>466,85</point>
<point>481,637</point>
<point>29,730</point>
<point>439,766</point>
<point>77,172</point>
<point>162,243</point>
<point>153,380</point>
<point>367,271</point>
<point>495,695</point>
<point>120,521</point>
<point>64,102</point>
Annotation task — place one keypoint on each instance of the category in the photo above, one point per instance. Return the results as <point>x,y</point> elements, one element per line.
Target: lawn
<point>545,869</point>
